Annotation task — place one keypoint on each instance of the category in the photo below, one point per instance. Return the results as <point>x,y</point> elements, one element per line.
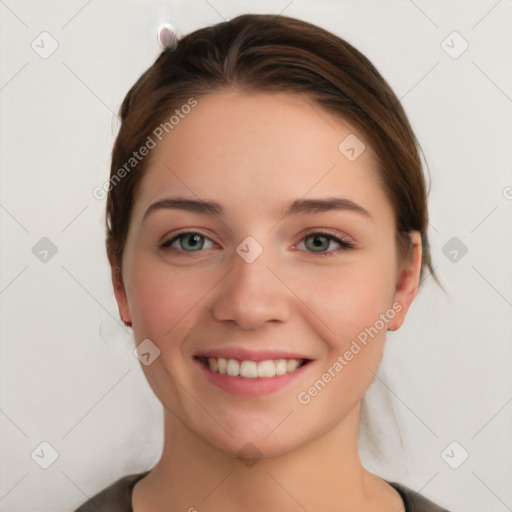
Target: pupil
<point>193,241</point>
<point>319,242</point>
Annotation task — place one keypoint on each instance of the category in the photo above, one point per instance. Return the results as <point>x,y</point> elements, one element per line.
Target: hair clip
<point>167,38</point>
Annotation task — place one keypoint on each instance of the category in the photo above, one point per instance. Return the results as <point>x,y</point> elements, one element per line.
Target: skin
<point>255,153</point>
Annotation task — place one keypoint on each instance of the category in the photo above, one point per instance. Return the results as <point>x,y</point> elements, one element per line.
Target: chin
<point>258,438</point>
<point>249,449</point>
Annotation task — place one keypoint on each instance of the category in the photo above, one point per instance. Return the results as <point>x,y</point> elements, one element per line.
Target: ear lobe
<point>120,294</point>
<point>407,283</point>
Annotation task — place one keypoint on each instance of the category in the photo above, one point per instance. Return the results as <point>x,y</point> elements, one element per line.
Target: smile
<point>252,369</point>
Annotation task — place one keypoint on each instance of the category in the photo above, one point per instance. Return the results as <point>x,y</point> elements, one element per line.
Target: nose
<point>251,295</point>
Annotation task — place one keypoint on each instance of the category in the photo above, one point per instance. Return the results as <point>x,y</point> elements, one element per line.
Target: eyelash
<point>345,245</point>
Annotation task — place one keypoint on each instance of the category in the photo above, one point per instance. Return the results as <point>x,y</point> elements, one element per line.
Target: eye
<point>319,242</point>
<point>189,241</point>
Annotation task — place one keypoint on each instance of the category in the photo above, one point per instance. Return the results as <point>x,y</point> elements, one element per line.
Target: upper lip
<point>242,354</point>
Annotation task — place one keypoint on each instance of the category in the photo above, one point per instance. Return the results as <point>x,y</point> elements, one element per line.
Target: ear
<point>121,297</point>
<point>407,283</point>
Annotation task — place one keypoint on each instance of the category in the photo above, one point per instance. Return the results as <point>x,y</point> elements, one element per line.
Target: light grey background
<point>68,375</point>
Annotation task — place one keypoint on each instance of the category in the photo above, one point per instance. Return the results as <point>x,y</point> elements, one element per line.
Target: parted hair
<point>274,53</point>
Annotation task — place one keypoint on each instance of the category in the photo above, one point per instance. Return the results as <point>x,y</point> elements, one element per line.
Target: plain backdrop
<point>69,379</point>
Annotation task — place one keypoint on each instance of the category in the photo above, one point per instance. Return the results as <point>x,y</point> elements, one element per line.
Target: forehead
<point>258,126</point>
<point>263,147</point>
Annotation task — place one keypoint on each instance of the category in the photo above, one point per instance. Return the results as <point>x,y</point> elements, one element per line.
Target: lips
<point>251,373</point>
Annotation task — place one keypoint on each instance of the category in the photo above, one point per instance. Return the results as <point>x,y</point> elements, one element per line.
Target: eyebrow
<point>297,207</point>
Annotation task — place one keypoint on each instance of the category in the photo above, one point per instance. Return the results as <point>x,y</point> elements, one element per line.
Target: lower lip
<point>242,386</point>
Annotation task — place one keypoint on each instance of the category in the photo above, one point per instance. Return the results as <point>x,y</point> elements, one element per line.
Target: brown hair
<point>272,53</point>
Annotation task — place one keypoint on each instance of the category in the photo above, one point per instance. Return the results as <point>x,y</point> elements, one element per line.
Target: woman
<point>266,225</point>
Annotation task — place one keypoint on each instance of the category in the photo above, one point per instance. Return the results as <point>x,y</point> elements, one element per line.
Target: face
<point>261,262</point>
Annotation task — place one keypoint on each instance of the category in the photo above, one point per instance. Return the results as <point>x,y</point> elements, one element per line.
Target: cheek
<point>352,311</point>
<point>165,301</point>
<point>347,298</point>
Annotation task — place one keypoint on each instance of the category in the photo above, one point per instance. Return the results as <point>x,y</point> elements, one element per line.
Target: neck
<point>324,474</point>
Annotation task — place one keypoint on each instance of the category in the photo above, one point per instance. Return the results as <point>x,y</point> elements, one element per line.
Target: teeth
<point>233,368</point>
<point>249,369</point>
<point>266,368</point>
<point>253,369</point>
<point>221,365</point>
<point>292,365</point>
<point>213,364</point>
<point>281,367</point>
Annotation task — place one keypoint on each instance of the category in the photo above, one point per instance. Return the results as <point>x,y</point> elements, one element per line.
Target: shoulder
<point>117,497</point>
<point>415,502</point>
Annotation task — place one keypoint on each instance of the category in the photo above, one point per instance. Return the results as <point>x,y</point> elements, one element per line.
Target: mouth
<point>249,369</point>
